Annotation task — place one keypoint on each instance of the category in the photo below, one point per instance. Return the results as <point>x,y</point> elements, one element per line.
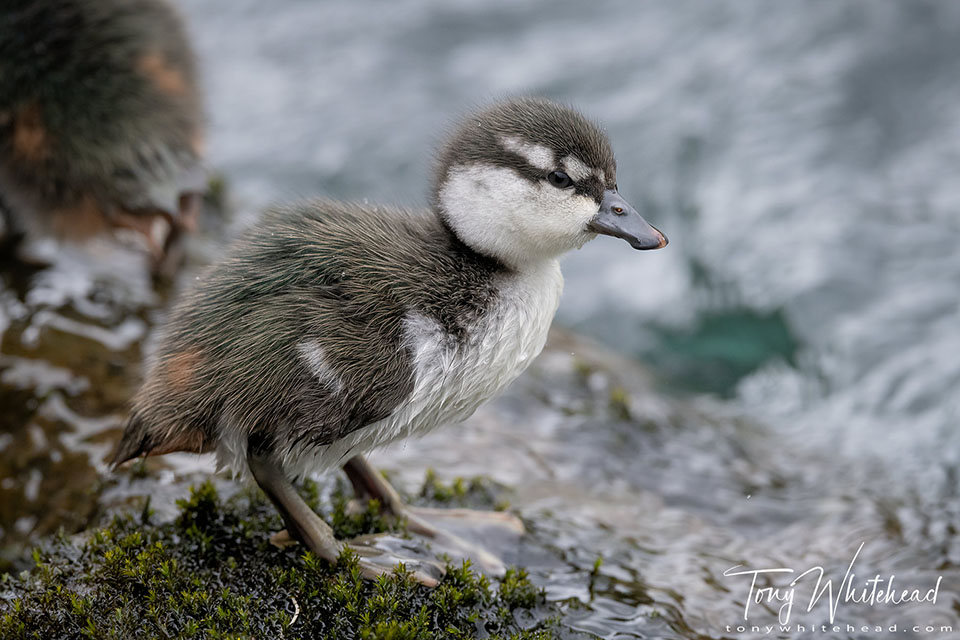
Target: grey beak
<point>618,219</point>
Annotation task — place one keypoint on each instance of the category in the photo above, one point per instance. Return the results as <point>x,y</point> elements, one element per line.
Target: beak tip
<point>659,241</point>
<point>615,217</point>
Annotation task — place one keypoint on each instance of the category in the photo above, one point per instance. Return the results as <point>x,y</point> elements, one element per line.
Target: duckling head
<point>526,180</point>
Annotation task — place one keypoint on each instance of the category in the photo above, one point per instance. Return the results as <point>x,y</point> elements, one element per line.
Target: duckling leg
<point>367,482</point>
<point>173,253</point>
<point>306,526</point>
<point>167,258</point>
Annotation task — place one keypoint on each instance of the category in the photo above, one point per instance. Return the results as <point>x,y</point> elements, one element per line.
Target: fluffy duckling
<point>333,328</point>
<point>100,121</point>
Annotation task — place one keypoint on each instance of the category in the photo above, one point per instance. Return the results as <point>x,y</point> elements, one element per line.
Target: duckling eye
<point>559,179</point>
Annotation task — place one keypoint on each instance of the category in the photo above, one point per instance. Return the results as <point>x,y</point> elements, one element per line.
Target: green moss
<point>476,492</point>
<point>620,403</point>
<point>216,195</point>
<point>582,369</point>
<point>517,591</point>
<point>349,523</point>
<point>212,573</point>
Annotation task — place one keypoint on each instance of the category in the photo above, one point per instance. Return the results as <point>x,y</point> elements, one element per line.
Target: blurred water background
<point>803,160</point>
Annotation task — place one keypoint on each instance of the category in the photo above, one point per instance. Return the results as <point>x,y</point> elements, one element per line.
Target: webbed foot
<point>435,524</point>
<point>304,525</point>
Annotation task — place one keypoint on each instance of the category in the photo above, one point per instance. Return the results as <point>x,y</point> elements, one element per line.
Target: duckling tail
<point>135,441</point>
<point>141,438</point>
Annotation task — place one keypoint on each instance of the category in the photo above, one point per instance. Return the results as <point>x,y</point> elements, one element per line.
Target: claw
<point>368,483</point>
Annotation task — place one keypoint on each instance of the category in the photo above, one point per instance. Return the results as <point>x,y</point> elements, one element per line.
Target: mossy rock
<point>212,573</point>
<point>477,493</point>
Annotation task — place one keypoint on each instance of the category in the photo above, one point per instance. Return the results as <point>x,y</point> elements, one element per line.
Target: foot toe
<point>377,561</point>
<point>499,519</point>
<point>282,539</point>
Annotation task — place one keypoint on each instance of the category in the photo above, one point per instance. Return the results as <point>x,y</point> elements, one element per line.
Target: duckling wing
<point>297,337</point>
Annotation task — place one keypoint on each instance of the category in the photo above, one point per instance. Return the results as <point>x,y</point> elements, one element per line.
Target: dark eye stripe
<point>591,187</point>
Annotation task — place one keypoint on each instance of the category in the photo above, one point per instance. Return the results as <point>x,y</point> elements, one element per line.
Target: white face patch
<point>500,213</point>
<point>579,170</point>
<point>312,354</point>
<point>537,155</point>
<point>576,168</point>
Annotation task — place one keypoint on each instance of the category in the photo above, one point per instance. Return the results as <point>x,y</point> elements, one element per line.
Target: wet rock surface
<point>73,330</point>
<point>211,572</point>
<point>69,359</point>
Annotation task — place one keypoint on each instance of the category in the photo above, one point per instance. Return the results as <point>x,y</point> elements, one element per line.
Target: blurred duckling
<point>100,122</point>
<point>334,328</point>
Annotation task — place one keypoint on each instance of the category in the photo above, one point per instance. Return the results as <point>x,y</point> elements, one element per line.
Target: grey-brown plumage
<point>331,328</point>
<point>343,275</point>
<point>100,117</point>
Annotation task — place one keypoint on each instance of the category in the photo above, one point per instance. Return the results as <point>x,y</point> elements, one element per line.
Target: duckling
<point>331,328</point>
<point>100,121</point>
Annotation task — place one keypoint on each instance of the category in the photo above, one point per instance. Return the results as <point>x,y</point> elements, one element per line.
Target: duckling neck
<point>514,261</point>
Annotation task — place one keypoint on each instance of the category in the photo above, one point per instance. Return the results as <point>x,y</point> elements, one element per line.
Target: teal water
<point>722,349</point>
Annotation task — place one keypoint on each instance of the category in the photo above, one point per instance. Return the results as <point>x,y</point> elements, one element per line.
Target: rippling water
<point>803,325</point>
<point>800,158</point>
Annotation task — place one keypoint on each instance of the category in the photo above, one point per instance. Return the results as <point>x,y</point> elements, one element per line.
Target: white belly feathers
<point>453,378</point>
